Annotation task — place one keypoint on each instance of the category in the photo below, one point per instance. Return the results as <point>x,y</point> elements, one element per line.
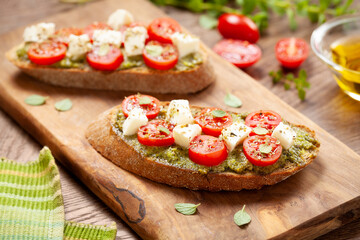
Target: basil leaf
<point>260,131</point>
<point>264,148</point>
<point>103,50</point>
<point>208,22</point>
<point>154,50</point>
<point>63,105</point>
<point>186,208</point>
<point>163,129</point>
<point>232,101</point>
<point>35,100</point>
<point>218,113</point>
<point>144,100</point>
<point>241,217</point>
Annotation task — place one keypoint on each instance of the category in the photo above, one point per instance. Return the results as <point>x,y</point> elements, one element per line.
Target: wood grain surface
<point>326,105</point>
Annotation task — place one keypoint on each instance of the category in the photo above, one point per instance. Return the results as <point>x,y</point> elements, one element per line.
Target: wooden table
<point>326,105</point>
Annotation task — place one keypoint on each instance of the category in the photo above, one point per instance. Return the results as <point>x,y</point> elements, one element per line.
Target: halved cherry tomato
<point>154,134</point>
<point>210,124</point>
<point>89,30</point>
<point>236,26</point>
<point>254,150</point>
<point>161,56</point>
<point>161,29</point>
<point>62,35</point>
<point>264,118</point>
<point>291,52</point>
<point>151,108</point>
<point>240,53</point>
<point>46,53</point>
<point>109,60</point>
<point>207,150</point>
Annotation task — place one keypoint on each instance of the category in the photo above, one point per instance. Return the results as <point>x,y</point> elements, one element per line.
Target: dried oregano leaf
<point>241,217</point>
<point>35,100</point>
<point>260,131</point>
<point>232,101</point>
<point>218,113</point>
<point>265,148</point>
<point>63,105</point>
<point>186,208</point>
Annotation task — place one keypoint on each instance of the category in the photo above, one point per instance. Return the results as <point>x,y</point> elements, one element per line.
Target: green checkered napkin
<point>32,207</point>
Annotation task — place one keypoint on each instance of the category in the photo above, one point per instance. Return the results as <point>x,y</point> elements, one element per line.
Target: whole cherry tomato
<point>236,26</point>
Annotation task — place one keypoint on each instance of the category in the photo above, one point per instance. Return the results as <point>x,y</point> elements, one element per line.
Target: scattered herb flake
<point>260,131</point>
<point>265,148</point>
<point>186,208</point>
<point>63,105</point>
<point>218,113</point>
<point>241,217</point>
<point>163,129</point>
<point>35,100</point>
<point>144,100</point>
<point>232,101</point>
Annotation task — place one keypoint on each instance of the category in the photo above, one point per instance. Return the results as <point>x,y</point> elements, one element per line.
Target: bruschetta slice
<point>201,148</point>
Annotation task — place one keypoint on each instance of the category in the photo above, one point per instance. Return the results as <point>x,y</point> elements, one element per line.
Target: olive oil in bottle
<point>346,52</point>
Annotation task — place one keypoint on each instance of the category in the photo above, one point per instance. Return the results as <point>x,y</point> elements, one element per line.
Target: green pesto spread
<point>185,63</point>
<point>236,160</point>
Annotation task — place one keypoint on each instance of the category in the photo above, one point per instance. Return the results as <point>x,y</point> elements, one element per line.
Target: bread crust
<point>101,136</point>
<point>142,79</point>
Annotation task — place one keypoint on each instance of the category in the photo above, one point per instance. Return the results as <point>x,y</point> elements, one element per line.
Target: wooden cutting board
<point>322,197</point>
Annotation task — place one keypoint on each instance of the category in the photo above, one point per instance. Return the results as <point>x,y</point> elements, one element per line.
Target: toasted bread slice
<point>141,79</point>
<point>103,137</point>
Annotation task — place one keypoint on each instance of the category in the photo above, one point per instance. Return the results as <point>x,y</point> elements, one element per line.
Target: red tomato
<point>165,61</point>
<point>108,62</point>
<point>46,53</point>
<point>210,124</point>
<point>266,119</point>
<point>207,150</point>
<point>240,53</point>
<point>154,134</point>
<point>251,147</point>
<point>62,35</point>
<point>89,30</point>
<point>237,26</point>
<point>291,52</point>
<point>161,29</point>
<point>151,109</point>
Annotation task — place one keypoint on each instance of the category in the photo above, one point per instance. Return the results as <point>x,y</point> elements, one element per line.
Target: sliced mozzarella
<point>185,43</point>
<point>183,134</point>
<point>136,119</point>
<point>78,46</point>
<point>179,112</point>
<point>120,18</point>
<point>39,32</point>
<point>235,134</point>
<point>107,37</point>
<point>284,134</point>
<point>134,40</point>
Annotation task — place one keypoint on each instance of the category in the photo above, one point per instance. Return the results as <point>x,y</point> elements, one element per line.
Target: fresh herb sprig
<point>301,83</point>
<point>260,10</point>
